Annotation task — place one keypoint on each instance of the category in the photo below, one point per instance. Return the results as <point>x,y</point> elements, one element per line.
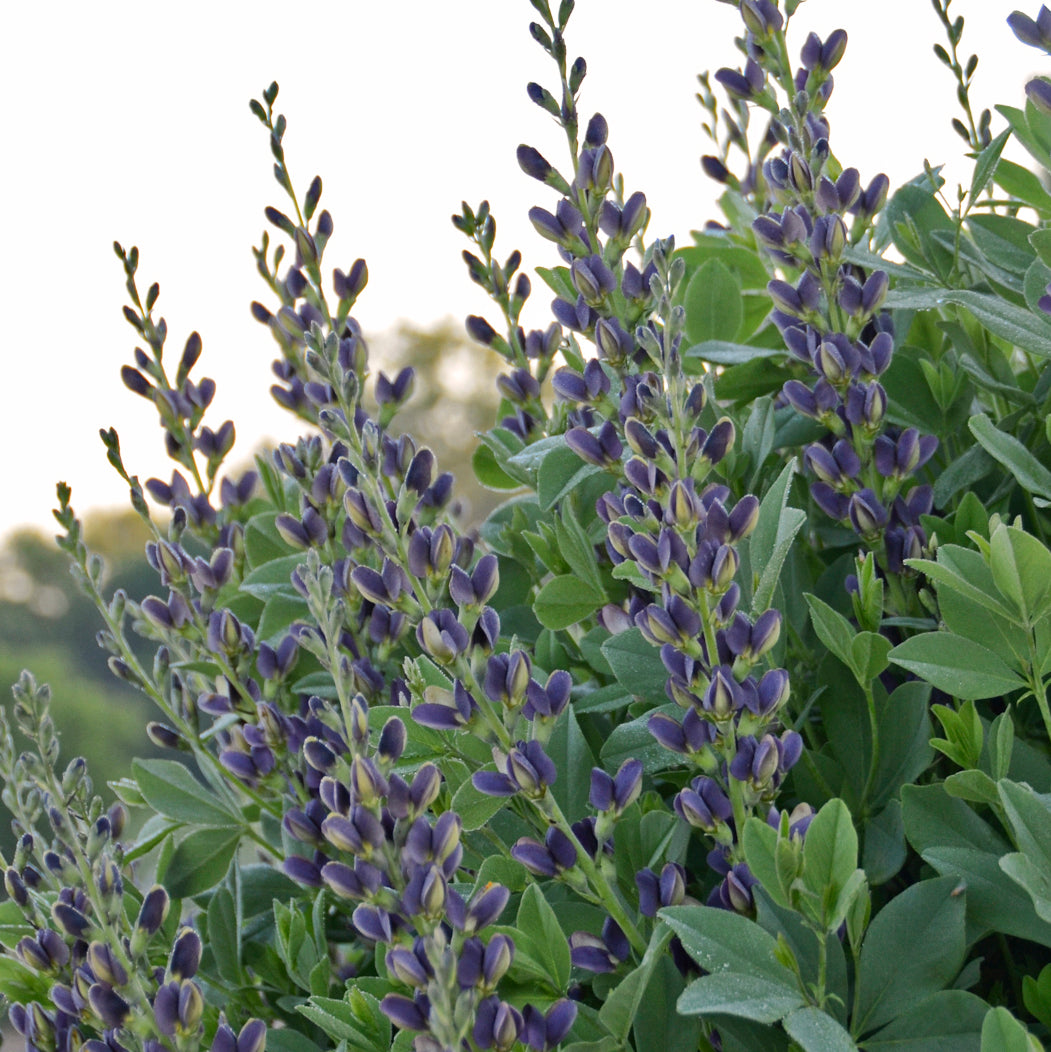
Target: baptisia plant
<point>645,759</point>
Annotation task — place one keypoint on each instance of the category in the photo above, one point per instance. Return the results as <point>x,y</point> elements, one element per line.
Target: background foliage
<point>727,728</point>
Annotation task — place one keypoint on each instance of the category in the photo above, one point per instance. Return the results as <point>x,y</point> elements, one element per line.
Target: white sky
<point>129,120</point>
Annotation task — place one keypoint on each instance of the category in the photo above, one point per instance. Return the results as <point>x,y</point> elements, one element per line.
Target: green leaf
<point>913,948</point>
<point>558,280</point>
<point>713,304</point>
<point>725,942</point>
<point>1041,242</point>
<point>488,471</point>
<point>1030,474</point>
<point>1001,1032</point>
<point>566,600</point>
<point>171,790</point>
<point>1021,183</point>
<point>772,538</point>
<point>1036,993</point>
<point>224,938</point>
<point>559,473</point>
<point>948,1021</point>
<point>816,1031</point>
<point>832,628</point>
<point>576,548</point>
<point>760,843</point>
<point>475,808</point>
<point>536,917</point>
<point>288,1040</point>
<point>1021,568</point>
<point>356,1020</point>
<point>970,467</point>
<point>278,613</point>
<point>637,665</point>
<point>571,754</point>
<point>1030,818</point>
<point>904,736</point>
<point>505,446</point>
<point>1001,745</point>
<point>657,1023</point>
<point>884,852</point>
<point>499,869</point>
<point>1017,325</point>
<point>986,163</point>
<point>947,575</point>
<point>632,740</point>
<point>739,994</point>
<point>274,577</point>
<point>958,666</point>
<point>933,819</point>
<point>200,861</point>
<point>995,903</point>
<point>830,857</point>
<point>263,544</point>
<point>622,1005</point>
<point>1004,240</point>
<point>319,683</point>
<point>912,214</point>
<point>1027,875</point>
<point>723,352</point>
<point>868,655</point>
<point>1034,288</point>
<point>973,785</point>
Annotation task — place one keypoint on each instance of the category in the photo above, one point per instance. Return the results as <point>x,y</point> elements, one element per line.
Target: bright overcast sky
<point>130,121</point>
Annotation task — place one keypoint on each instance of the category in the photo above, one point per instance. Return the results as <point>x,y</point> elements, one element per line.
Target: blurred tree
<point>454,398</point>
<point>48,626</point>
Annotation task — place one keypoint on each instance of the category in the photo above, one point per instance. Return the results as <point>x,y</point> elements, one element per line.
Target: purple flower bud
<point>669,889</point>
<point>715,169</point>
<point>442,636</point>
<point>186,955</point>
<point>597,131</point>
<point>404,1013</point>
<point>833,504</point>
<point>70,919</point>
<point>548,701</point>
<point>744,517</point>
<point>1034,33</point>
<point>833,48</point>
<point>1038,91</point>
<point>108,1005</point>
<point>603,450</point>
<point>874,291</point>
<point>104,963</point>
<point>497,1025</point>
<point>480,330</point>
<point>483,909</point>
<point>408,967</point>
<point>849,296</point>
<point>545,1031</point>
<point>873,198</point>
<point>866,514</point>
<point>800,398</point>
<point>372,923</point>
<point>303,871</point>
<point>569,385</point>
<point>426,893</point>
<point>533,163</point>
<point>153,911</point>
<point>703,804</point>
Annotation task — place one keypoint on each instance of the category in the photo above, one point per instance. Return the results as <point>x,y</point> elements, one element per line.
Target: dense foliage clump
<point>727,729</point>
